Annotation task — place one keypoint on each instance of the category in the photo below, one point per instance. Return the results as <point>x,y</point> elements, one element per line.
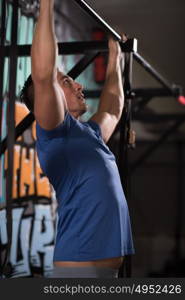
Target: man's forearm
<point>112,97</point>
<point>44,47</point>
<point>114,75</point>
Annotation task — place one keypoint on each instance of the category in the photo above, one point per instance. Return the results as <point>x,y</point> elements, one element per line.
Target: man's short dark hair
<point>26,94</point>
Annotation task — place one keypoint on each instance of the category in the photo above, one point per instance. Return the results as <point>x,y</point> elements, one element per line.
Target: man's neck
<point>75,114</point>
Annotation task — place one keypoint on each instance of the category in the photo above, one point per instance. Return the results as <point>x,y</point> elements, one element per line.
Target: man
<point>93,232</point>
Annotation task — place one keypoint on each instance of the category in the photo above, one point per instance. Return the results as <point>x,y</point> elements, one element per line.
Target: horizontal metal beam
<point>153,118</point>
<point>142,92</point>
<point>157,92</point>
<point>73,48</point>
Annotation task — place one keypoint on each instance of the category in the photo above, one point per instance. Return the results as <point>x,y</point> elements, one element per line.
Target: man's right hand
<point>114,47</point>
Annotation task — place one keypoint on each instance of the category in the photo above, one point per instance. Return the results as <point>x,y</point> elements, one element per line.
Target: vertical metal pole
<point>2,63</point>
<point>180,202</point>
<point>125,122</point>
<point>11,128</point>
<point>2,56</point>
<point>123,145</point>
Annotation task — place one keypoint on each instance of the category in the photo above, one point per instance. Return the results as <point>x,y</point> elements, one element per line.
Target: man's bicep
<point>49,104</point>
<point>107,123</point>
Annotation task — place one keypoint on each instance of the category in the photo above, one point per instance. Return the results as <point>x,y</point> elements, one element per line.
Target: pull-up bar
<point>86,7</point>
<point>89,10</point>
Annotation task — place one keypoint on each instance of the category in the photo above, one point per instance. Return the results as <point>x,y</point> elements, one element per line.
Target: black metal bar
<point>92,93</point>
<point>2,56</point>
<point>156,145</point>
<point>153,118</point>
<point>180,203</point>
<point>124,124</point>
<point>142,93</point>
<point>124,127</point>
<point>2,63</point>
<point>11,127</point>
<point>163,164</point>
<point>3,20</point>
<point>82,64</point>
<point>91,12</point>
<point>122,164</point>
<point>153,72</point>
<point>148,93</point>
<point>72,48</point>
<point>156,92</point>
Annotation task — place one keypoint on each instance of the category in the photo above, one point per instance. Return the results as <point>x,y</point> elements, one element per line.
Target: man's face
<point>73,92</point>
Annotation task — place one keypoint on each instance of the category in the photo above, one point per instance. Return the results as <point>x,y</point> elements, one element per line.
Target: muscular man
<point>93,231</point>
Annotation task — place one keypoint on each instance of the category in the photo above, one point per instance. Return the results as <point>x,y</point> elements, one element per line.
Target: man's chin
<point>79,112</point>
<point>84,109</point>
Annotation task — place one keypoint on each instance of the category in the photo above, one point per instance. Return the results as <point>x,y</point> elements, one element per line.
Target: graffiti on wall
<point>33,210</point>
<point>34,202</point>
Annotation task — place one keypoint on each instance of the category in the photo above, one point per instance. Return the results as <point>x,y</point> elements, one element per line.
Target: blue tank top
<point>93,218</point>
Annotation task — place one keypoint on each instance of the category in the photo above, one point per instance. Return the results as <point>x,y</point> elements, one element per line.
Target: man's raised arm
<point>112,97</point>
<point>49,99</point>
